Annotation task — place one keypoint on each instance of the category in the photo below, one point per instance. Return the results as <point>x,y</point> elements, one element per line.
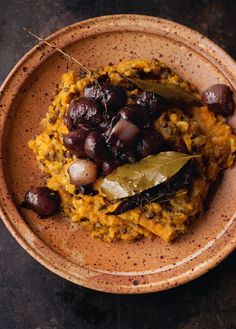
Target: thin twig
<point>57,49</point>
<point>71,58</point>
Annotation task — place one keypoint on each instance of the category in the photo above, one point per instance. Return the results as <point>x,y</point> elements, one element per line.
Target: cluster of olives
<point>107,130</point>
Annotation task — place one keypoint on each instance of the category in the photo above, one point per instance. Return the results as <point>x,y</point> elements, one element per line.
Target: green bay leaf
<point>152,170</point>
<point>171,92</point>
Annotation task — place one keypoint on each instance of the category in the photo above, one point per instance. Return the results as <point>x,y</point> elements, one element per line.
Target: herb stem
<point>58,49</point>
<point>71,58</point>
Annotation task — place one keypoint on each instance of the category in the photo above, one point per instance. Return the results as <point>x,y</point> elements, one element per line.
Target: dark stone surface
<point>33,298</point>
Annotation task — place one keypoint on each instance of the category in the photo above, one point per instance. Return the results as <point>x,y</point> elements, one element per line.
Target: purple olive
<point>105,128</point>
<point>83,172</point>
<point>219,99</point>
<point>150,142</point>
<point>136,114</point>
<point>74,140</point>
<point>112,97</point>
<point>105,125</point>
<point>108,166</point>
<point>83,110</point>
<point>95,146</point>
<point>129,156</point>
<point>42,200</point>
<point>103,78</point>
<point>86,190</point>
<point>153,103</point>
<point>124,135</point>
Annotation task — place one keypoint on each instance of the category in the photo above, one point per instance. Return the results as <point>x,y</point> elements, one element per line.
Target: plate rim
<point>8,210</point>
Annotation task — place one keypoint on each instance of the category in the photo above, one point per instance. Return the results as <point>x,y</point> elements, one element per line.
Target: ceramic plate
<point>57,243</point>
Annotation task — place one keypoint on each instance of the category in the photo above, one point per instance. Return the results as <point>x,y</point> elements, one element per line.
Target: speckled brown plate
<point>57,243</point>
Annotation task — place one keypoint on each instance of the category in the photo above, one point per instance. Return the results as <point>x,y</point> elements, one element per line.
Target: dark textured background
<point>33,298</point>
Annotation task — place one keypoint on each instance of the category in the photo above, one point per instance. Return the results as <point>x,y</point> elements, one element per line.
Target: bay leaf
<point>171,92</point>
<point>152,170</point>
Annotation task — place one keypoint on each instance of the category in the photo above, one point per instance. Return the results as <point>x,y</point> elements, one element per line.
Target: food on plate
<point>42,200</point>
<point>131,150</point>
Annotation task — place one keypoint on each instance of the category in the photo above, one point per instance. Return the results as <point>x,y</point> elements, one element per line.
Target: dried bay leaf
<point>131,179</point>
<point>171,92</point>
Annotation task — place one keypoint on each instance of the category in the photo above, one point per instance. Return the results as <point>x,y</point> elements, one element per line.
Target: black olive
<point>219,99</point>
<point>112,97</point>
<point>68,122</point>
<point>136,114</point>
<point>108,166</point>
<point>42,200</point>
<point>150,142</point>
<point>103,78</point>
<point>83,110</point>
<point>95,146</point>
<point>105,125</point>
<point>130,156</point>
<point>152,102</point>
<point>74,140</point>
<point>86,190</point>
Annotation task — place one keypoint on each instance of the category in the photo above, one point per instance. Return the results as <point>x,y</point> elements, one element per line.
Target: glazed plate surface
<point>57,243</point>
